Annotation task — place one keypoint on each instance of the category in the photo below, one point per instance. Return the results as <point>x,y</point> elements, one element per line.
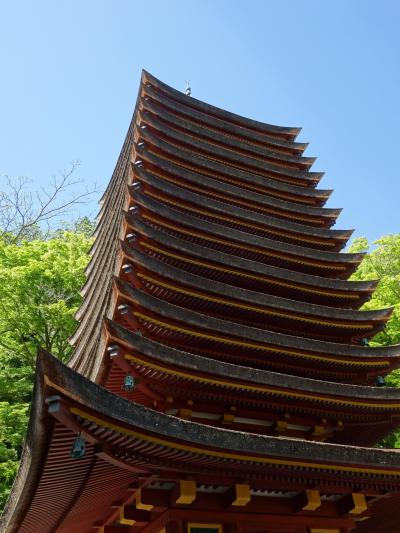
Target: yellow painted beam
<point>243,495</point>
<point>319,530</point>
<point>313,500</point>
<point>360,503</point>
<point>139,504</point>
<point>125,521</point>
<point>228,419</point>
<point>187,492</point>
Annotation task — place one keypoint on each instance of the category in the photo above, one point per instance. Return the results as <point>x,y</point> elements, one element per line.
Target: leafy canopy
<point>383,263</point>
<point>40,282</point>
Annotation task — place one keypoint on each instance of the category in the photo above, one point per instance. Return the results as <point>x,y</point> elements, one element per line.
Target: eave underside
<point>257,401</point>
<point>122,448</point>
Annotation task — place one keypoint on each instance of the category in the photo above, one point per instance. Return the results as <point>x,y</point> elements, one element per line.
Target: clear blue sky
<point>70,74</point>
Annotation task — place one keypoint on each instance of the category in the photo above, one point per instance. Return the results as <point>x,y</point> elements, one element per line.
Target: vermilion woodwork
<point>221,371</point>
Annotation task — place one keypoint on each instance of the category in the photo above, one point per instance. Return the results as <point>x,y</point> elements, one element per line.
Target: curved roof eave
<point>240,212</point>
<point>246,238</point>
<point>219,124</point>
<point>188,360</point>
<point>224,164</point>
<point>228,154</point>
<point>213,110</point>
<point>249,265</point>
<point>196,127</point>
<point>164,163</point>
<point>234,329</point>
<point>222,289</point>
<point>86,397</point>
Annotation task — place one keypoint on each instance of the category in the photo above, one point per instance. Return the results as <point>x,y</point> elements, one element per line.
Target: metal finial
<point>188,90</point>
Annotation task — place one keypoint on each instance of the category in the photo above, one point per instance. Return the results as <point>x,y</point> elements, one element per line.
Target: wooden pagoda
<point>221,380</point>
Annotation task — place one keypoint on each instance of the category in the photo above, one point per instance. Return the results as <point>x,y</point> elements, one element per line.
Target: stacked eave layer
<point>217,283</point>
<point>127,442</point>
<point>237,271</point>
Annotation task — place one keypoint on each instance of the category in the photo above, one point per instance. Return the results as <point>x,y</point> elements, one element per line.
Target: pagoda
<point>221,380</point>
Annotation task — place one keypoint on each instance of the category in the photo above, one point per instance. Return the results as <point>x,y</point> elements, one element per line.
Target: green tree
<point>13,422</point>
<point>39,294</point>
<point>40,282</point>
<point>383,263</point>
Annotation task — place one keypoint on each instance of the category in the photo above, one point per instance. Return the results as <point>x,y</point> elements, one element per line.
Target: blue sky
<point>70,74</point>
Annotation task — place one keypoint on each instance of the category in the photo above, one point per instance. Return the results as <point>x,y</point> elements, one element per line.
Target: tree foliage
<point>40,282</point>
<point>383,263</point>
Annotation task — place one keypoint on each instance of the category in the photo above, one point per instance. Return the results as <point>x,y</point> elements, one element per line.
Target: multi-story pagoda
<point>221,380</point>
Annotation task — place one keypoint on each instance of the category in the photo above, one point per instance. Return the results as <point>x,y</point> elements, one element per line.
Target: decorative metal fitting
<point>129,383</point>
<point>131,237</point>
<point>136,185</point>
<point>113,350</point>
<point>127,268</point>
<point>123,309</point>
<point>78,448</point>
<point>133,209</point>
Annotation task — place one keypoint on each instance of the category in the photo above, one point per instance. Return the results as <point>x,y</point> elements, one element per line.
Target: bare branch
<point>24,214</point>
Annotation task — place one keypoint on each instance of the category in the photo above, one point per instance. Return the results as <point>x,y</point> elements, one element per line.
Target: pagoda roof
<point>211,162</point>
<point>315,235</point>
<point>273,202</point>
<point>230,157</point>
<point>267,250</point>
<point>256,189</point>
<point>217,286</point>
<point>255,399</point>
<point>181,117</point>
<point>303,281</point>
<point>251,297</point>
<point>126,440</point>
<point>281,132</point>
<point>307,213</point>
<point>321,391</point>
<point>150,310</point>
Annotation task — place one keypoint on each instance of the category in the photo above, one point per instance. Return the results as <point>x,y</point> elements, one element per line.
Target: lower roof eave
<point>64,395</point>
<point>246,375</point>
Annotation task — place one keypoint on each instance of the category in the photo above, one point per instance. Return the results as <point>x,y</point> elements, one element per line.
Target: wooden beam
<point>185,492</point>
<point>141,518</point>
<point>159,523</point>
<point>353,504</point>
<point>156,500</point>
<point>237,496</point>
<point>255,520</point>
<point>319,530</point>
<point>228,419</point>
<point>308,500</point>
<point>142,505</point>
<point>122,518</point>
<point>118,529</point>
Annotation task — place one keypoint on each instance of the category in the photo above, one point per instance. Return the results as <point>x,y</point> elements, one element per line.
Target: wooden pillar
<point>175,526</point>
